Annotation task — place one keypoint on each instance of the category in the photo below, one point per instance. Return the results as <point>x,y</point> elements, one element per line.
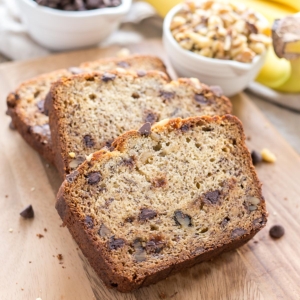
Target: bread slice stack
<point>157,176</point>
<point>26,104</point>
<point>88,111</point>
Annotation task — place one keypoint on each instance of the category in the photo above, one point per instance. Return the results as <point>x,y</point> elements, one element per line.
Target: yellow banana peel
<point>275,71</point>
<point>292,84</point>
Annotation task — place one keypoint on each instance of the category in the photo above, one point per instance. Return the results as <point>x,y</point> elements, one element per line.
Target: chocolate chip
<point>159,182</point>
<point>115,244</point>
<point>88,141</point>
<point>166,95</point>
<point>135,95</point>
<point>108,77</point>
<point>256,157</point>
<point>201,99</point>
<point>225,222</point>
<point>145,129</point>
<point>27,212</point>
<point>40,105</point>
<point>251,27</point>
<point>141,73</point>
<point>75,70</point>
<point>150,116</point>
<point>92,4</point>
<point>11,125</point>
<point>72,176</point>
<point>130,162</point>
<point>123,64</point>
<point>93,177</point>
<point>129,219</point>
<point>89,222</point>
<point>276,231</point>
<point>47,103</point>
<point>212,197</point>
<point>104,231</point>
<point>155,245</point>
<point>185,128</point>
<point>217,90</point>
<point>238,232</point>
<point>182,219</point>
<point>147,214</point>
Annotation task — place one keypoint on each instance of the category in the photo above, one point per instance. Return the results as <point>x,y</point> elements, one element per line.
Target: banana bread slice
<point>26,104</point>
<point>88,111</point>
<point>164,199</point>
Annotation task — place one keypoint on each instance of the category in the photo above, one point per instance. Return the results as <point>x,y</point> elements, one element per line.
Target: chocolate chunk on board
<point>276,231</point>
<point>27,212</point>
<point>256,157</point>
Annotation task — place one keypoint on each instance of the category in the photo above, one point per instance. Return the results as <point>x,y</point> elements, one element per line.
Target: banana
<point>292,84</point>
<point>295,4</point>
<point>275,71</point>
<point>163,7</point>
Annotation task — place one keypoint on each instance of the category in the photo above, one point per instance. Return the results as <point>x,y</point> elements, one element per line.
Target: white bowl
<point>232,76</point>
<point>63,30</point>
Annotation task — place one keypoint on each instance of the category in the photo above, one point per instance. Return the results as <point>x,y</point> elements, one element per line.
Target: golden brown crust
<point>98,255</point>
<point>26,116</point>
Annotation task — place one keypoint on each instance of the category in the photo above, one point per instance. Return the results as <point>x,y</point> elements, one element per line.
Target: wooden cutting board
<point>262,269</point>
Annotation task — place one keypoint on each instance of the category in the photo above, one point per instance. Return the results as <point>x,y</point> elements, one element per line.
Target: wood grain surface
<point>262,269</point>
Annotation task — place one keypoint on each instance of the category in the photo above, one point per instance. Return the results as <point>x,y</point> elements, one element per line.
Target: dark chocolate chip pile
<point>78,5</point>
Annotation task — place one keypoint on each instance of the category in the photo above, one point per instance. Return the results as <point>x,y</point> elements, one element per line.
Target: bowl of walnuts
<point>72,24</point>
<point>217,42</point>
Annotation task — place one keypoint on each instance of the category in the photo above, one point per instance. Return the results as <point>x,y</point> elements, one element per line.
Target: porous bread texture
<point>26,104</point>
<point>163,200</point>
<point>88,111</point>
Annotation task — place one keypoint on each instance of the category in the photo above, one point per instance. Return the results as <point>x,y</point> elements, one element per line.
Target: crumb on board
<point>45,229</point>
<point>10,230</point>
<point>39,235</point>
<point>59,256</point>
<point>32,189</point>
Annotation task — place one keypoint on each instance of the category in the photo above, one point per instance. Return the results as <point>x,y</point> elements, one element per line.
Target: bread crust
<point>98,257</point>
<point>24,122</point>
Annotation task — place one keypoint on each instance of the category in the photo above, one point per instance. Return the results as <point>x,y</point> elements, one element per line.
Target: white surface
<point>231,76</point>
<point>284,99</point>
<point>64,30</point>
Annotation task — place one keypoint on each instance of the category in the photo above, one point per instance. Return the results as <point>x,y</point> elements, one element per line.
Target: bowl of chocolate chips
<point>72,24</point>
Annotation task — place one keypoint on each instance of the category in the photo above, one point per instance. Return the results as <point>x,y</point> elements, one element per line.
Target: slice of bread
<point>88,111</point>
<point>26,104</point>
<point>164,199</point>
